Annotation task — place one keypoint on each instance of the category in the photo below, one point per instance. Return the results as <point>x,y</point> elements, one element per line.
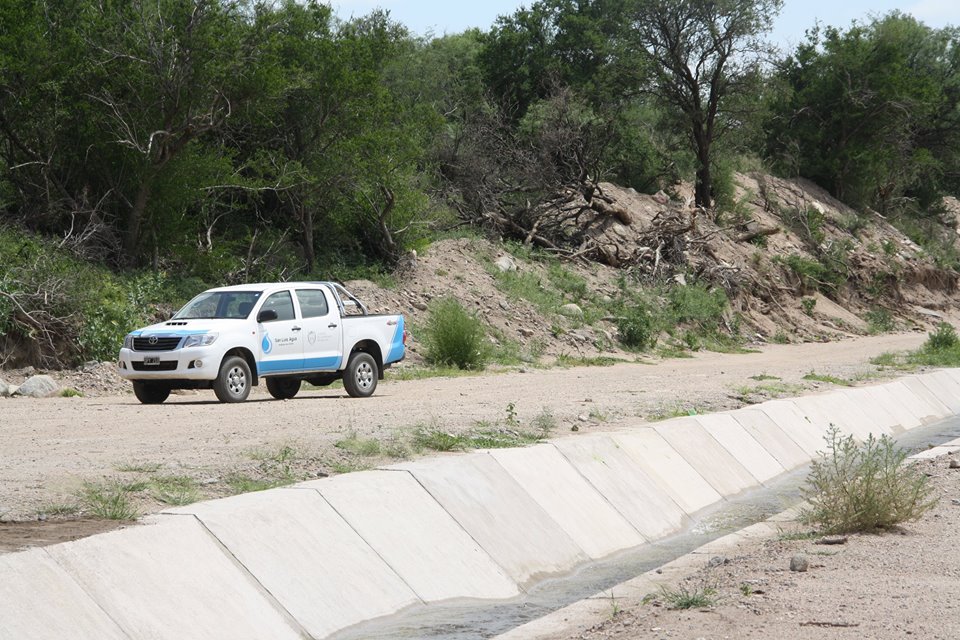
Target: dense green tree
<point>529,55</point>
<point>873,112</point>
<point>702,53</point>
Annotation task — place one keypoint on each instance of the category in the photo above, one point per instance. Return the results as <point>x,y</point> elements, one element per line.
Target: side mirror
<point>267,315</point>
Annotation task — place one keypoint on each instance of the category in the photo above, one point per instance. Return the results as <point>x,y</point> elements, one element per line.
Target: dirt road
<point>50,447</point>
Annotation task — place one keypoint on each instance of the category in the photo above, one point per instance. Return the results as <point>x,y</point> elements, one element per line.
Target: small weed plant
<point>454,337</point>
<point>863,487</point>
<point>174,490</point>
<point>110,502</point>
<point>684,597</point>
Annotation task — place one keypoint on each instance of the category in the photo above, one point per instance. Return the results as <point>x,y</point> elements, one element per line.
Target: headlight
<point>200,340</point>
<point>128,341</point>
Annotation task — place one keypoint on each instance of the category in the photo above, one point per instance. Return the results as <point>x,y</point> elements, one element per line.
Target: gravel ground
<point>51,447</point>
<point>904,583</point>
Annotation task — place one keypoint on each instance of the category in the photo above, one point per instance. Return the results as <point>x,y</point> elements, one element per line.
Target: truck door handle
<point>295,329</point>
<point>332,325</point>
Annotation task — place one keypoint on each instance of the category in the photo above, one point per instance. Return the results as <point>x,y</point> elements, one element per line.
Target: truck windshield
<point>219,304</point>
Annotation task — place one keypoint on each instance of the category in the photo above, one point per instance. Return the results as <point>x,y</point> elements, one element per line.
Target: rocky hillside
<point>795,263</point>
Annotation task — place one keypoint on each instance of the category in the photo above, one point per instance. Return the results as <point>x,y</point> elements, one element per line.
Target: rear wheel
<point>361,374</point>
<point>283,388</point>
<point>233,383</point>
<point>150,392</point>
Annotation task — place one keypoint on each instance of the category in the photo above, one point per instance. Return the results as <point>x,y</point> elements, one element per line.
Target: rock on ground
<point>41,386</point>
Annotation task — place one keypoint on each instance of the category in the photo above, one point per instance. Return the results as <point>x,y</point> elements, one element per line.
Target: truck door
<point>323,333</point>
<point>281,340</point>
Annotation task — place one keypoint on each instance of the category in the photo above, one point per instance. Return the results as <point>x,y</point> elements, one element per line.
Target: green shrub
<point>880,321</point>
<point>454,337</point>
<point>942,348</point>
<point>698,305</point>
<point>811,274</point>
<point>864,487</point>
<point>85,307</point>
<point>945,337</point>
<point>635,327</point>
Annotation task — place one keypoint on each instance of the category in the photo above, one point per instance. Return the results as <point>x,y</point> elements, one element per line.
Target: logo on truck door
<point>312,337</point>
<point>267,343</point>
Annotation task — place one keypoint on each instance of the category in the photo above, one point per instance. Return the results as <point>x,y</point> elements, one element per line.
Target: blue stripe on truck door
<point>396,345</point>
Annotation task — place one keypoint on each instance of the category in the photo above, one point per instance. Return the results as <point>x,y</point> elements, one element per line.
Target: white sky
<point>451,16</point>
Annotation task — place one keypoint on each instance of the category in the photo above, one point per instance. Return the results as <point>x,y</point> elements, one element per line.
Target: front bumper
<point>179,364</point>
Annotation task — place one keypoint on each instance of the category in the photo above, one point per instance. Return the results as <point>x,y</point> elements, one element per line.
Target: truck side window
<point>313,304</point>
<point>282,303</point>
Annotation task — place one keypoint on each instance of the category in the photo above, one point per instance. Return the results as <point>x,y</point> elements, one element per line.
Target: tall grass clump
<point>864,486</point>
<point>110,502</point>
<point>454,337</point>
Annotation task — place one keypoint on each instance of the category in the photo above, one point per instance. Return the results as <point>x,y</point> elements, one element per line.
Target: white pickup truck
<point>230,337</point>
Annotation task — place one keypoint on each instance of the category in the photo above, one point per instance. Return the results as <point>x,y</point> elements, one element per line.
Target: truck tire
<point>360,376</point>
<point>283,388</point>
<point>150,392</point>
<point>233,382</point>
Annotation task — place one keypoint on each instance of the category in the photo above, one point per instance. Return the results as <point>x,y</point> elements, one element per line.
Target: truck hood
<point>183,327</point>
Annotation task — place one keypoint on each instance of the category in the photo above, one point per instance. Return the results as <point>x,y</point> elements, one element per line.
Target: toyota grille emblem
<point>152,339</point>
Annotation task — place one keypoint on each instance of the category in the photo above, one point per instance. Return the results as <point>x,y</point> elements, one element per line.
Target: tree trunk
<point>131,241</point>
<point>704,186</point>
<point>306,228</point>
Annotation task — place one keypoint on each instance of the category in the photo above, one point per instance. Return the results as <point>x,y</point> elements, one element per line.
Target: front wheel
<point>360,376</point>
<point>150,392</point>
<point>283,388</point>
<point>233,382</point>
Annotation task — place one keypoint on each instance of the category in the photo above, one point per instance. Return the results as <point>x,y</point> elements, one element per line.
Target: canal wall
<point>313,559</point>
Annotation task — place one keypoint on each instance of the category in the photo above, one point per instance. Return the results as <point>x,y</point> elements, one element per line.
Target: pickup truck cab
<point>228,338</point>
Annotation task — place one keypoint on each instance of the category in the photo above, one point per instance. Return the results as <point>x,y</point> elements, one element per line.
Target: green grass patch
<point>355,445</point>
<point>110,501</point>
<point>70,392</point>
<point>942,348</point>
<point>245,483</point>
<point>822,377</point>
<point>174,490</point>
<point>684,597</point>
<point>435,439</point>
<point>139,467</point>
<point>425,373</point>
<point>677,411</point>
<point>60,509</point>
<point>769,390</point>
<point>799,535</point>
<point>566,361</point>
